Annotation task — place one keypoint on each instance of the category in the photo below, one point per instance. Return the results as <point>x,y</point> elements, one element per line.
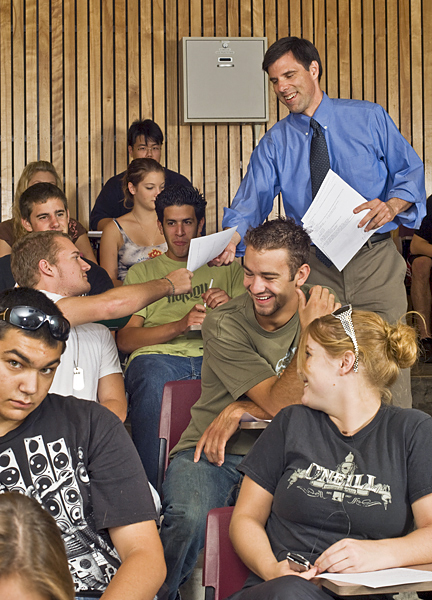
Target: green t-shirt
<point>238,354</point>
<point>174,308</point>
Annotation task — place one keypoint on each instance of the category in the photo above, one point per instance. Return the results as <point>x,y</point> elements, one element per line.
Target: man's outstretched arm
<point>123,301</point>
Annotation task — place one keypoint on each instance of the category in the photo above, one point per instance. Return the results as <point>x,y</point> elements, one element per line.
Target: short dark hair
<point>303,51</point>
<point>137,170</point>
<point>281,233</point>
<point>39,193</point>
<point>179,195</point>
<point>29,251</point>
<point>147,129</point>
<point>22,296</point>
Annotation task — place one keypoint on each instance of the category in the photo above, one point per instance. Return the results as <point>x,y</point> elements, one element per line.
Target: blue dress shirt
<point>365,148</point>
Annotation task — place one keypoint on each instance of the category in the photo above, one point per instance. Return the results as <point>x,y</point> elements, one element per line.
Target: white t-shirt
<point>90,349</point>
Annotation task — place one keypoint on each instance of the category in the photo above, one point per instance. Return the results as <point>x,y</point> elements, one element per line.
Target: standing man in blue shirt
<point>366,150</point>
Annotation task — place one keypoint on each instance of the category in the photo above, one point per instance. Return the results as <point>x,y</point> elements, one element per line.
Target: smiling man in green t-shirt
<point>156,336</point>
<point>249,366</point>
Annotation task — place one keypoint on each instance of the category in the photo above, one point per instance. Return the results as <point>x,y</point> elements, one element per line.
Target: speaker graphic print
<point>10,475</point>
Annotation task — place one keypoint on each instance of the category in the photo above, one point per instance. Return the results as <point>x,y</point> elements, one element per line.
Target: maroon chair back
<point>223,572</point>
<point>177,400</point>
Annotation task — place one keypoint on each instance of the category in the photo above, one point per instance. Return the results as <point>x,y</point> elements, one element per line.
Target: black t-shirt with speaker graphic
<point>76,458</point>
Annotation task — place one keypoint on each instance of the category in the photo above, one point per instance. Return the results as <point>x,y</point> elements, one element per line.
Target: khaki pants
<point>372,280</point>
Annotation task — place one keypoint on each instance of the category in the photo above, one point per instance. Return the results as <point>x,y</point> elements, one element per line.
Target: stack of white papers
<point>331,223</point>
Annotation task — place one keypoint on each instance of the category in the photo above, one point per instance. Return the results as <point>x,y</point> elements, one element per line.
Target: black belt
<point>378,237</point>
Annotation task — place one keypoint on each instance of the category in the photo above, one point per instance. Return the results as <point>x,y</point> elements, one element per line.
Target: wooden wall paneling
<point>120,83</point>
<point>234,131</point>
<point>159,89</point>
<point>393,61</point>
<point>295,27</point>
<point>223,198</point>
<point>416,79</point>
<point>197,128</point>
<point>344,50</point>
<point>133,59</point>
<point>31,86</point>
<point>427,94</point>
<point>331,83</point>
<point>18,89</point>
<point>185,130</point>
<point>209,187</point>
<point>59,102</point>
<point>356,50</point>
<point>95,99</point>
<point>404,83</point>
<point>172,88</point>
<point>44,82</point>
<point>146,70</point>
<point>368,51</point>
<point>83,110</point>
<point>107,93</point>
<point>381,53</point>
<point>70,68</point>
<point>6,110</point>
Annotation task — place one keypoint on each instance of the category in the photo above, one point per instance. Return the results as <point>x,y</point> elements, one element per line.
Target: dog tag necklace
<point>78,373</point>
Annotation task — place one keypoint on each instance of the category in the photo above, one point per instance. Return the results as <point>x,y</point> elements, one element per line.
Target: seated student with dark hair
<point>43,207</point>
<point>74,457</point>
<point>145,139</point>
<point>156,337</point>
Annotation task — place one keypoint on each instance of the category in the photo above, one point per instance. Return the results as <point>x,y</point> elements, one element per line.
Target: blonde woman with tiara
<point>135,236</point>
<point>40,171</point>
<point>340,480</point>
<point>33,563</point>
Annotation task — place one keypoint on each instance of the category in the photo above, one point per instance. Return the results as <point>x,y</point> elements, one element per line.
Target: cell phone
<point>297,562</point>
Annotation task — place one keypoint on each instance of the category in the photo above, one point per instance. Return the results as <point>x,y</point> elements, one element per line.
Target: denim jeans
<point>190,490</point>
<point>145,378</point>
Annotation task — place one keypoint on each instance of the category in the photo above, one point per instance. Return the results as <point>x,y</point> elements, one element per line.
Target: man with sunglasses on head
<point>75,458</point>
<point>145,140</point>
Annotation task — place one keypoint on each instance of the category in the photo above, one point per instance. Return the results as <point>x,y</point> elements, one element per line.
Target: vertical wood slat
<point>416,78</point>
<point>58,99</point>
<point>197,129</point>
<point>30,77</point>
<point>120,82</point>
<point>172,86</point>
<point>95,95</point>
<point>108,97</point>
<point>69,103</point>
<point>74,90</point>
<point>6,110</point>
<point>44,100</point>
<point>185,130</point>
<point>82,86</point>
<point>18,74</point>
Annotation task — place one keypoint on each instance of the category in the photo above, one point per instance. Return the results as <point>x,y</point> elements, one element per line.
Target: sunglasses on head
<point>29,318</point>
